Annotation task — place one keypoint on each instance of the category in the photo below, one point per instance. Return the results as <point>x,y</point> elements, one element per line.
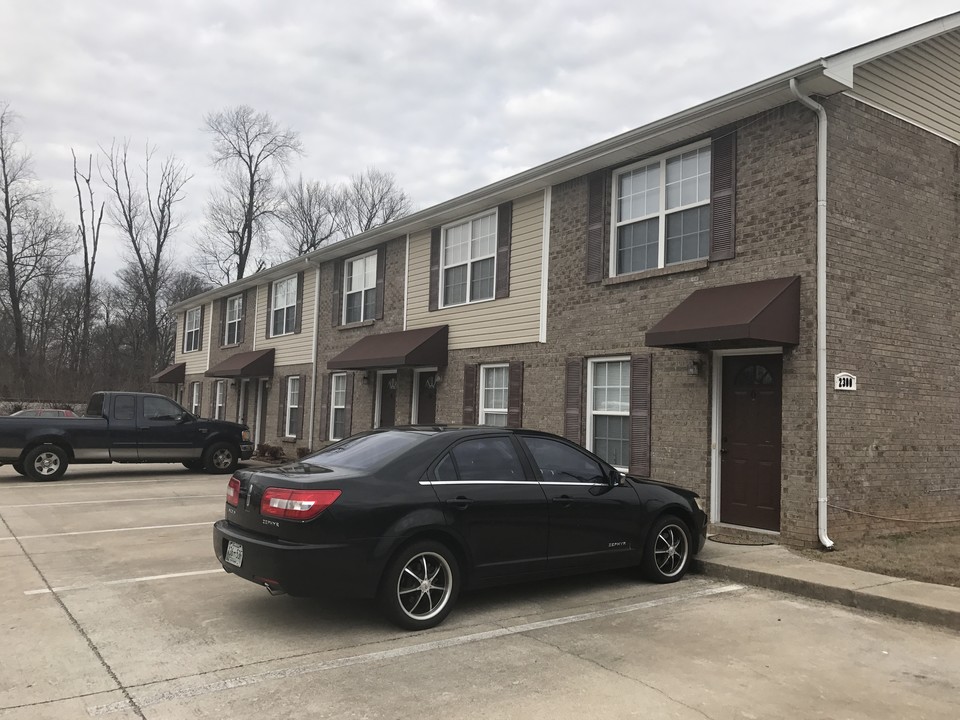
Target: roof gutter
<point>821,311</point>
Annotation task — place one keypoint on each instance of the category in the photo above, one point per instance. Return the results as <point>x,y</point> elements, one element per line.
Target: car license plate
<point>234,554</point>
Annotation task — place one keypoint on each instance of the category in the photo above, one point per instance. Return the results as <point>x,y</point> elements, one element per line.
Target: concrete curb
<point>895,597</point>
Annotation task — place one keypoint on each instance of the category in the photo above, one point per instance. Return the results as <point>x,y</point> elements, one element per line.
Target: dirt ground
<point>929,556</point>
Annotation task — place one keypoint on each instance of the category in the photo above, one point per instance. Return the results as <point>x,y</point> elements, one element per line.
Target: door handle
<point>461,503</point>
<point>564,500</point>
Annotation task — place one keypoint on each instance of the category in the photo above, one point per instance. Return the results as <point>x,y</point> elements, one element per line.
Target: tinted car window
<point>366,452</point>
<point>123,407</point>
<point>160,409</point>
<point>559,462</point>
<point>95,408</point>
<point>491,459</point>
<point>446,471</point>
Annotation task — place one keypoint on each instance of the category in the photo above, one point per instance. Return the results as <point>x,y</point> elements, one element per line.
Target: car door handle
<point>460,502</point>
<point>562,500</point>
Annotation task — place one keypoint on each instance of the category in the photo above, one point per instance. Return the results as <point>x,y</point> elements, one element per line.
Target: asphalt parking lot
<point>114,606</point>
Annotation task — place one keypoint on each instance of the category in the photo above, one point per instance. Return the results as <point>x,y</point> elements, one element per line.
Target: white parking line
<point>125,581</point>
<point>246,680</point>
<point>109,530</point>
<point>104,502</point>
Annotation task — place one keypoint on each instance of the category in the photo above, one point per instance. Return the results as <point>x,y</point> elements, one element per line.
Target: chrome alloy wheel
<point>46,464</point>
<point>424,586</point>
<point>222,458</point>
<point>670,550</point>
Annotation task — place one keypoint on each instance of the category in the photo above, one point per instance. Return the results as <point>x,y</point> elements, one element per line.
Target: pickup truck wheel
<point>45,462</point>
<point>221,457</point>
<point>18,467</point>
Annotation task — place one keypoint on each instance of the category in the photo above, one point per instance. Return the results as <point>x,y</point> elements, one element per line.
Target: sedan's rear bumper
<point>299,569</point>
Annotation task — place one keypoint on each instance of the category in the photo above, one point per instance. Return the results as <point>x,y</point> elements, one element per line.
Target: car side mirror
<point>184,418</point>
<point>614,477</point>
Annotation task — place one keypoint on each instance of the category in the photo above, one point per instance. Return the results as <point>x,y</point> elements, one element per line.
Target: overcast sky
<point>448,96</point>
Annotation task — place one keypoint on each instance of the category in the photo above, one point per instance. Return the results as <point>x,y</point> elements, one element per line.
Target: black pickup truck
<point>122,427</point>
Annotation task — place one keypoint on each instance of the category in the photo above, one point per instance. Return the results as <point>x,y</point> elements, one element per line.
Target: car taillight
<point>233,492</point>
<point>291,504</point>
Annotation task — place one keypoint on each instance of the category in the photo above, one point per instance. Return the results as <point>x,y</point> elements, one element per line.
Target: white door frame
<point>415,399</point>
<point>376,396</point>
<point>717,413</point>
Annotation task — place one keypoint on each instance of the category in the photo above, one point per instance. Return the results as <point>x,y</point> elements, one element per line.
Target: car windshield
<point>366,452</point>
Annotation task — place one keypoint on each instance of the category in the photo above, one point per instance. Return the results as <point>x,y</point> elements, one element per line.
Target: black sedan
<point>411,515</point>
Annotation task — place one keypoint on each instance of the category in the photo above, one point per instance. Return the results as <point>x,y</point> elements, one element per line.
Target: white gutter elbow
<point>821,311</point>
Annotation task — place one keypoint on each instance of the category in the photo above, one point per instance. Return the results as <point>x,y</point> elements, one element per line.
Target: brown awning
<point>173,374</point>
<point>253,364</point>
<point>760,313</point>
<point>407,348</point>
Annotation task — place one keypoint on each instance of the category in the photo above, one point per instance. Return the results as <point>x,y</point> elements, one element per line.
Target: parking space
<point>113,605</point>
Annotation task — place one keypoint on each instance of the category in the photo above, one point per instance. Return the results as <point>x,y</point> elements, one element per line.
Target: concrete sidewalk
<point>776,568</point>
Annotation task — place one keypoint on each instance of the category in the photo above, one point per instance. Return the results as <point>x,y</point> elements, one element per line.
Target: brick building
<point>658,297</point>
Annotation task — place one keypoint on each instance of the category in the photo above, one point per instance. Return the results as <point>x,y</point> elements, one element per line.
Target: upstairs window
<point>234,317</point>
<point>284,307</point>
<point>360,289</point>
<point>661,212</point>
<point>468,260</point>
<point>191,331</point>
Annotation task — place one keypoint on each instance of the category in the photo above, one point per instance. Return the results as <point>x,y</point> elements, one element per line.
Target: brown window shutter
<point>324,419</point>
<point>596,186</point>
<point>504,237</point>
<point>183,333</point>
<point>222,303</point>
<point>301,402</point>
<point>241,327</point>
<point>336,293</point>
<point>470,372</point>
<point>381,278</point>
<point>269,308</point>
<point>434,268</point>
<point>515,395</point>
<point>203,311</point>
<point>281,425</point>
<point>200,399</point>
<point>640,391</point>
<point>348,409</point>
<point>723,197</point>
<point>573,399</point>
<point>298,321</point>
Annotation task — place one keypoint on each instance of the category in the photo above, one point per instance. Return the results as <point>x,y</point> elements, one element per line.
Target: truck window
<point>95,407</point>
<point>155,408</point>
<point>124,407</point>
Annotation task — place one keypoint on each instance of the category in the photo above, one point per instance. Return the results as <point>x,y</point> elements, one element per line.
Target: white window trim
<point>229,322</point>
<point>484,411</point>
<point>415,399</point>
<point>274,308</point>
<point>220,400</point>
<point>343,318</point>
<point>378,393</point>
<point>662,211</point>
<point>334,408</point>
<point>591,364</point>
<point>198,329</point>
<point>195,398</point>
<point>443,242</point>
<point>289,431</point>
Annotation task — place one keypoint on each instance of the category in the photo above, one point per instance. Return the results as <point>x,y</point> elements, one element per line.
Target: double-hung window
<point>608,403</point>
<point>468,260</point>
<point>661,211</point>
<point>493,394</point>
<point>338,405</point>
<point>284,307</point>
<point>234,316</point>
<point>292,421</point>
<point>220,399</point>
<point>195,398</point>
<point>360,288</point>
<point>191,331</point>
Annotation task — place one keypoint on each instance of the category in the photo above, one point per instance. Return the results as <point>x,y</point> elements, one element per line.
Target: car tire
<point>221,457</point>
<point>420,585</point>
<point>666,556</point>
<point>18,468</point>
<point>195,465</point>
<point>45,463</point>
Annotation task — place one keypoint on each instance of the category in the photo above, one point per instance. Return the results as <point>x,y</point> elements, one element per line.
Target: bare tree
<point>253,151</point>
<point>369,199</point>
<point>33,239</point>
<point>90,239</point>
<point>147,217</point>
<point>307,216</point>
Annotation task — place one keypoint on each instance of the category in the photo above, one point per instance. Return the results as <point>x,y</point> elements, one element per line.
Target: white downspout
<point>821,312</point>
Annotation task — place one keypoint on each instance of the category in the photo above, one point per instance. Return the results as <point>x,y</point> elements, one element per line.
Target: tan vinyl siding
<point>296,348</point>
<point>196,362</point>
<point>920,83</point>
<point>511,320</point>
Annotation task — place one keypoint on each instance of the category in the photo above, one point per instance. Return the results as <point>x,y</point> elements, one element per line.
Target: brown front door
<point>388,400</point>
<point>426,398</point>
<point>750,441</point>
